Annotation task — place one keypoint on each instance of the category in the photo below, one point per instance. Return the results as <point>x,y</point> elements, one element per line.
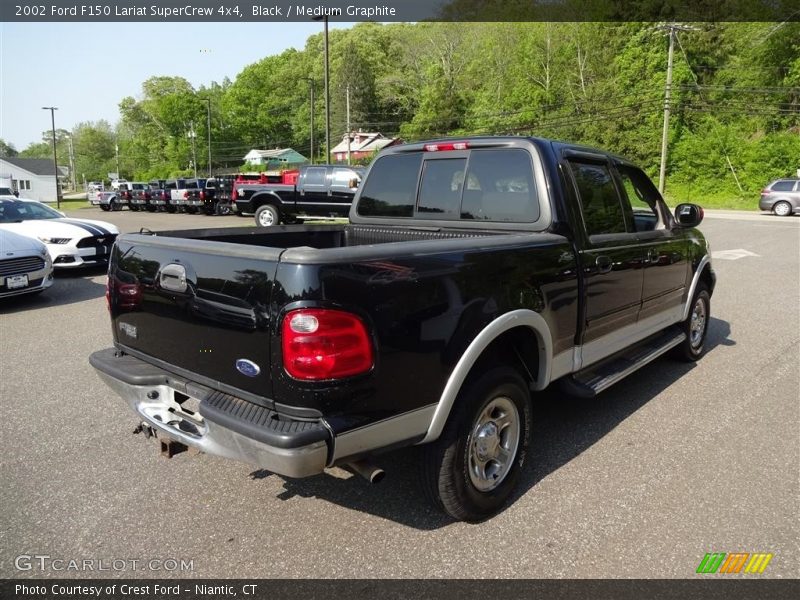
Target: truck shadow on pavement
<point>68,288</point>
<point>563,428</point>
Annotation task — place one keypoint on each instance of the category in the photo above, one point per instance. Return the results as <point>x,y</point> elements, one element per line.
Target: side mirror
<point>688,215</point>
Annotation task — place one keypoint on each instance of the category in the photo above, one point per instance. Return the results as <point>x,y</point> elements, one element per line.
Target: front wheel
<point>267,215</point>
<point>782,209</point>
<point>472,469</point>
<point>695,326</point>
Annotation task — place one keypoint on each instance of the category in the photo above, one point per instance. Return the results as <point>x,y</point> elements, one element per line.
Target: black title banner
<point>397,10</point>
<point>711,588</point>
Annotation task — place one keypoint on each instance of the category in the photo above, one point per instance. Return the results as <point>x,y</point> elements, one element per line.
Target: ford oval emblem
<point>247,367</point>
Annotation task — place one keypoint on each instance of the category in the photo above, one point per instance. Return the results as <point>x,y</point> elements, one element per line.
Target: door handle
<point>604,264</point>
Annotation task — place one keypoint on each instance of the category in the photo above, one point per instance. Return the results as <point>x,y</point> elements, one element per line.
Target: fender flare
<point>705,261</point>
<point>503,323</point>
<point>261,198</point>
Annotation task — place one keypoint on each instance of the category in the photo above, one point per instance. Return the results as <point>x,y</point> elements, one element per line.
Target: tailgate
<point>199,309</point>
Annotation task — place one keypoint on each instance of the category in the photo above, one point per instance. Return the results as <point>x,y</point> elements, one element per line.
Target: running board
<point>601,376</point>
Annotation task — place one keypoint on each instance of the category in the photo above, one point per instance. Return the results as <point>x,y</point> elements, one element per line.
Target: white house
<point>33,178</point>
<point>280,157</point>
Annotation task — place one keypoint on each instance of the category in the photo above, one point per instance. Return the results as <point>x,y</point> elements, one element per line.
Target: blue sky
<point>85,69</point>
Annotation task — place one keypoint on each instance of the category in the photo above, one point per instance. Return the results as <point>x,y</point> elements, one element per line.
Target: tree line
<point>735,104</point>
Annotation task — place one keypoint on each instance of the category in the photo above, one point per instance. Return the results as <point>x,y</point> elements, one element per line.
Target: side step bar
<point>601,376</point>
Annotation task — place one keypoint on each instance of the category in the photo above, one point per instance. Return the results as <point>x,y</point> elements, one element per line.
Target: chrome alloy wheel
<point>493,444</point>
<point>697,327</point>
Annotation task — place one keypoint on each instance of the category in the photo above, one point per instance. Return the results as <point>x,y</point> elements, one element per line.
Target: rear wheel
<point>105,207</point>
<point>134,207</point>
<point>222,208</point>
<point>191,210</point>
<point>267,215</point>
<point>782,209</point>
<point>472,469</point>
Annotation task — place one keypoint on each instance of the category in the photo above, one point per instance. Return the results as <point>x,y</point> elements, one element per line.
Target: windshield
<point>16,211</point>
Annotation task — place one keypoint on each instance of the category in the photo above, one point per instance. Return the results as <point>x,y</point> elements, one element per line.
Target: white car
<point>25,265</point>
<point>70,242</point>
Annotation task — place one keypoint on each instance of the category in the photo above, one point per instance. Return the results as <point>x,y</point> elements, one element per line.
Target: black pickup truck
<point>320,191</point>
<point>213,197</point>
<point>473,274</point>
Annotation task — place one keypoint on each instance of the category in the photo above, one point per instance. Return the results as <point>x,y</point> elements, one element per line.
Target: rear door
<point>611,257</point>
<point>313,191</point>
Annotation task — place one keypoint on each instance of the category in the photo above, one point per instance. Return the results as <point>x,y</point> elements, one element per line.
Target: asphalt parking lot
<point>673,462</point>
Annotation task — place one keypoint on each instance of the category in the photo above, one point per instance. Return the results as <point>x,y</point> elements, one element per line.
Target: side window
<point>440,189</point>
<point>783,186</point>
<point>342,177</point>
<point>500,187</point>
<point>600,203</point>
<point>643,197</point>
<point>390,189</point>
<point>315,176</point>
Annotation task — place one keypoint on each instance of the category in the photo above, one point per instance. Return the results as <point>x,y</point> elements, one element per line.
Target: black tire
<point>192,210</point>
<point>171,209</point>
<point>114,206</point>
<point>105,207</point>
<point>782,209</point>
<point>222,208</point>
<point>151,208</point>
<point>452,468</point>
<point>695,326</point>
<point>134,208</point>
<point>267,215</point>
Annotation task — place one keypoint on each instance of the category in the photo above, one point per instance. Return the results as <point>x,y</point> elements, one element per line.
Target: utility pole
<point>116,153</point>
<point>311,87</point>
<point>208,125</point>
<point>348,123</point>
<point>193,135</point>
<point>53,110</point>
<point>672,28</point>
<point>72,162</point>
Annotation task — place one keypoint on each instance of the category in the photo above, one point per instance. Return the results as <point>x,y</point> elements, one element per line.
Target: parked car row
<point>35,239</point>
<point>168,195</point>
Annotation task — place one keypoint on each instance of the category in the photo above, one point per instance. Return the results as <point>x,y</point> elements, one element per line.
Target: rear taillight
<point>446,146</point>
<point>185,194</point>
<point>325,344</point>
<point>234,193</point>
<point>147,196</point>
<point>127,295</point>
<point>202,195</point>
<point>164,195</point>
<point>765,192</point>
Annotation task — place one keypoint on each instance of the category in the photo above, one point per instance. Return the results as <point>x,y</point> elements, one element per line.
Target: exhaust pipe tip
<point>367,470</point>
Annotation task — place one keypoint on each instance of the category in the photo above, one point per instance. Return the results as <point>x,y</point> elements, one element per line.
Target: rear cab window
<point>481,184</point>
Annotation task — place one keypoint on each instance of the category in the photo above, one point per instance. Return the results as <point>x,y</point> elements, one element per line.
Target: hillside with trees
<point>735,99</point>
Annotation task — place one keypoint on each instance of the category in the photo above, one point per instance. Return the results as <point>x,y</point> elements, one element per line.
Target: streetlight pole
<point>53,110</point>
<point>311,87</point>
<point>327,93</point>
<point>208,124</point>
